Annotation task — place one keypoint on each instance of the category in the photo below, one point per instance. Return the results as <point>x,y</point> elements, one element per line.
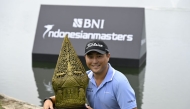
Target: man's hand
<point>48,104</point>
<point>87,106</point>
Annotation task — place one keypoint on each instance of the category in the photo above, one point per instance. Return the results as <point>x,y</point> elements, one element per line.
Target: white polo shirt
<point>114,92</point>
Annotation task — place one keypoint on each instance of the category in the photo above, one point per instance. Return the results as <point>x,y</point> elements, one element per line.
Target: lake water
<point>162,83</point>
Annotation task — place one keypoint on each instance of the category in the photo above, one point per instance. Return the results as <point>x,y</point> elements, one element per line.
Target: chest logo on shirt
<point>89,90</point>
<point>106,92</point>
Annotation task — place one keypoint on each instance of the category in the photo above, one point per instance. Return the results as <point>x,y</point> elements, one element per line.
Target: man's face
<point>97,62</point>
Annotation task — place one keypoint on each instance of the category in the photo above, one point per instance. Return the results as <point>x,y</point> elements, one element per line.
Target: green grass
<point>1,106</point>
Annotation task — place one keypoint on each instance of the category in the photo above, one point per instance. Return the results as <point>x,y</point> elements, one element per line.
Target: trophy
<point>69,79</point>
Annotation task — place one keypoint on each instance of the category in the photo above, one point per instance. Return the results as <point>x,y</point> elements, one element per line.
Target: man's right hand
<point>48,104</point>
<point>87,106</point>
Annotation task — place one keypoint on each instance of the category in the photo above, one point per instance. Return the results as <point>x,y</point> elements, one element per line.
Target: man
<point>107,88</point>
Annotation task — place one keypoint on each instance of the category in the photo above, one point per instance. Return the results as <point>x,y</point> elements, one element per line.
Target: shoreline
<point>7,102</point>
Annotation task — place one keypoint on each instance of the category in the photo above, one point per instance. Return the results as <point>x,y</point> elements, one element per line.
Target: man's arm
<point>125,95</point>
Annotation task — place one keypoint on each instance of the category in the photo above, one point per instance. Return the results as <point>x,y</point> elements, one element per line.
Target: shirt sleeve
<point>125,95</point>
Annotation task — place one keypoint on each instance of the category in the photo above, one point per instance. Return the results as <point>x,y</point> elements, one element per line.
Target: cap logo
<point>93,44</point>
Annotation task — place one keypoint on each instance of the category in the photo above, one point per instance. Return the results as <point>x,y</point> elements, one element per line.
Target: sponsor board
<point>121,28</point>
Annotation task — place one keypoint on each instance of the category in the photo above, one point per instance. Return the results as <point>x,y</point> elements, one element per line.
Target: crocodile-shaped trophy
<point>69,79</point>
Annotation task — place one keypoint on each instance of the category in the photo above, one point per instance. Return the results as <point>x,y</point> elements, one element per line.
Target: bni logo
<point>88,23</point>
